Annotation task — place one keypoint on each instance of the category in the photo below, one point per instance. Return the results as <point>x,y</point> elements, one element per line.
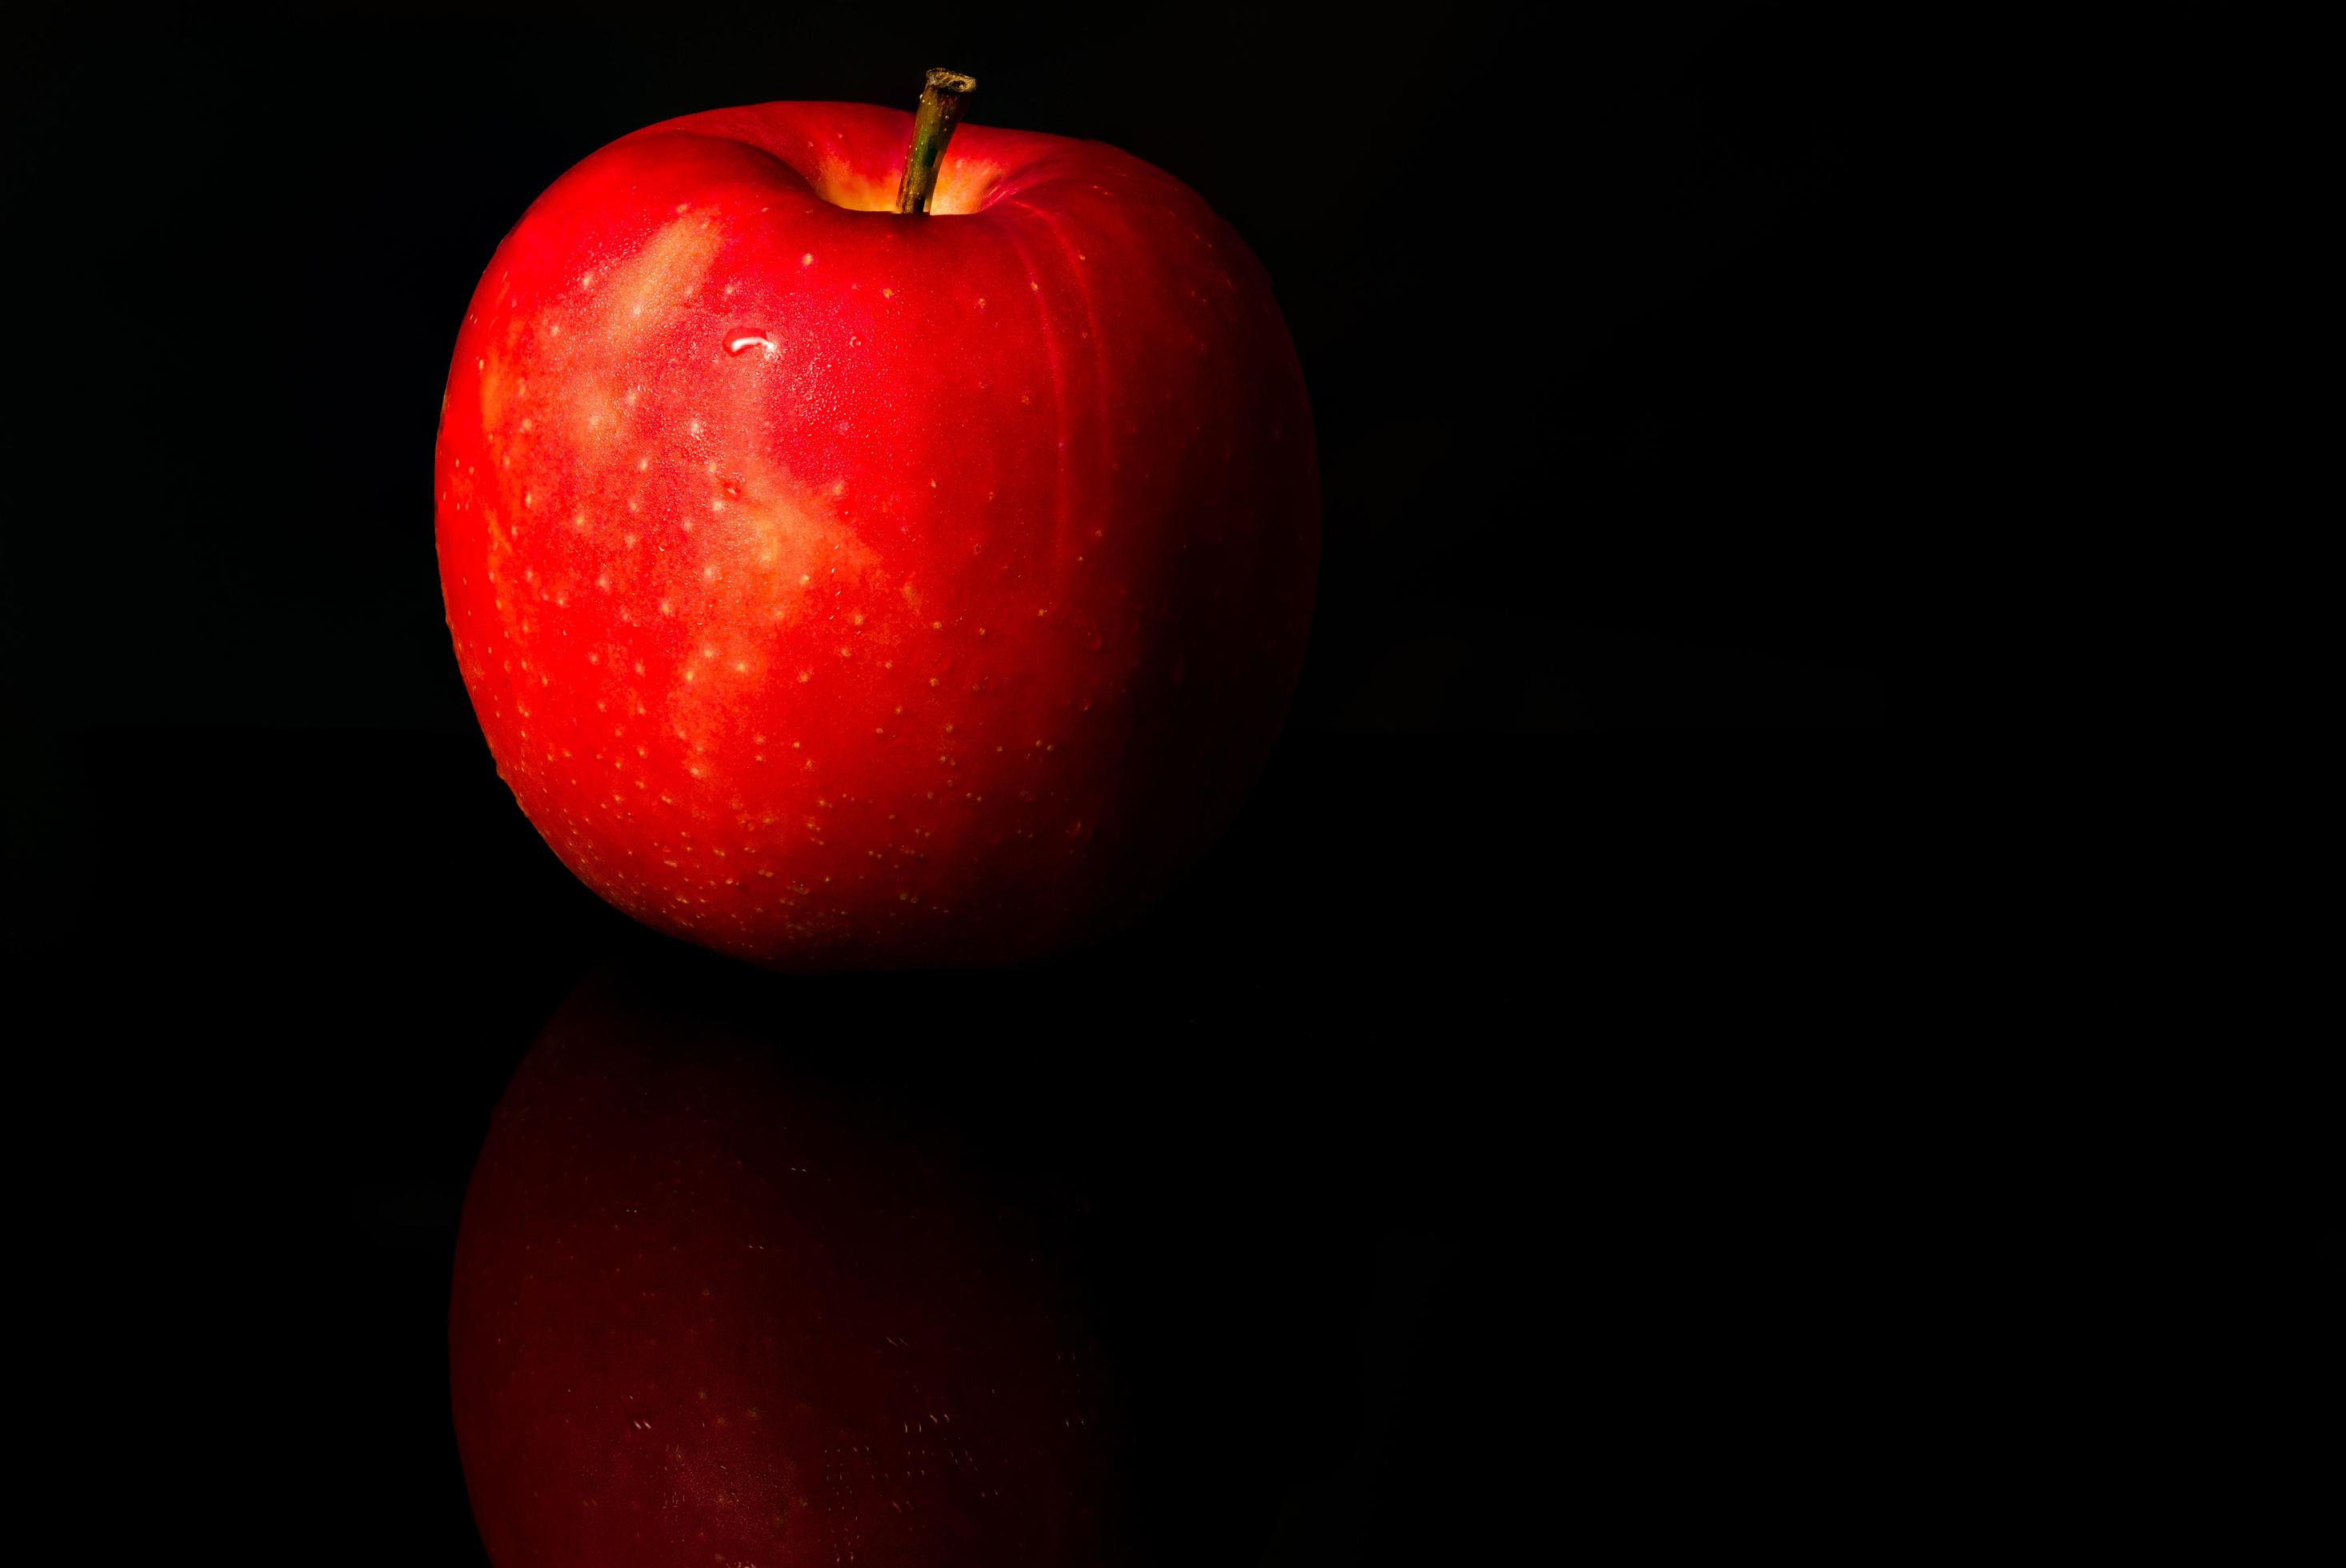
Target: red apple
<point>843,587</point>
<point>709,1310</point>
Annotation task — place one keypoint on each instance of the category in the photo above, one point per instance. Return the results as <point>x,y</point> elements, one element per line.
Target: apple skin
<point>839,588</point>
<point>710,1304</point>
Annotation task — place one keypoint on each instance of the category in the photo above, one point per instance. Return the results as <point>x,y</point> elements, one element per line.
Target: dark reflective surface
<point>1478,1135</point>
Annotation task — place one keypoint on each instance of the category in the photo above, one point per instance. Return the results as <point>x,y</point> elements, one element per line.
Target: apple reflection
<point>719,1300</point>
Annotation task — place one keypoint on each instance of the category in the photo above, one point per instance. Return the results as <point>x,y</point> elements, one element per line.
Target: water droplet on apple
<point>741,342</point>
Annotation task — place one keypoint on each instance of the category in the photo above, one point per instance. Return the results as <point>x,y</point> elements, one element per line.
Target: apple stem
<point>933,128</point>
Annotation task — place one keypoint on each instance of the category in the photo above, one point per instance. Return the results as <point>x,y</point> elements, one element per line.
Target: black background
<point>1485,1130</point>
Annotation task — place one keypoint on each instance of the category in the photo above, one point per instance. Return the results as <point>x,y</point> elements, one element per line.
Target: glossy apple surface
<point>843,588</point>
<point>708,1310</point>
